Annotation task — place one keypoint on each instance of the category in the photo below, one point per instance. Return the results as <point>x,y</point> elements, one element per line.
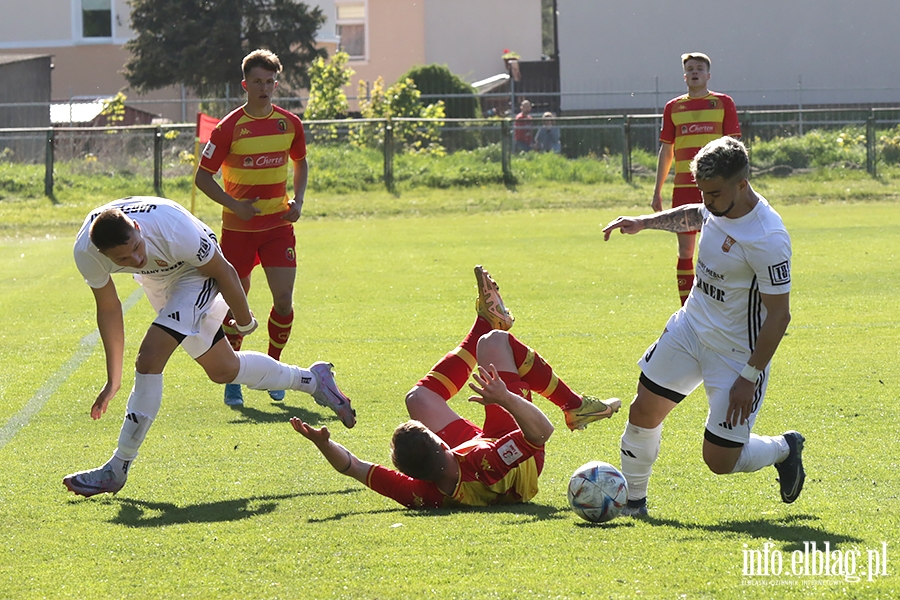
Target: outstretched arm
<point>534,424</point>
<point>111,326</point>
<point>338,456</point>
<point>677,220</point>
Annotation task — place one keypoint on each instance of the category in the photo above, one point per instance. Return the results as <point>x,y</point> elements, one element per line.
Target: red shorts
<point>686,195</point>
<point>270,248</point>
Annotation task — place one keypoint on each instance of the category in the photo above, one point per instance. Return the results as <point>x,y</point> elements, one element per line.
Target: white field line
<point>84,350</point>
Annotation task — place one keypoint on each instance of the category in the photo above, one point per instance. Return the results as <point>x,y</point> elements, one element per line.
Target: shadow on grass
<point>281,412</point>
<point>792,530</point>
<point>532,512</point>
<point>138,513</point>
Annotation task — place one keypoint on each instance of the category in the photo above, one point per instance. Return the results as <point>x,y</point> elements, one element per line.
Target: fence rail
<point>164,152</point>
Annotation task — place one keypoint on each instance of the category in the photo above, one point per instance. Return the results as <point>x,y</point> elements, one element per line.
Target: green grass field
<point>229,503</point>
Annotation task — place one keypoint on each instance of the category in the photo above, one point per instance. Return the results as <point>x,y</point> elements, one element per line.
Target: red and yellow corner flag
<point>205,126</point>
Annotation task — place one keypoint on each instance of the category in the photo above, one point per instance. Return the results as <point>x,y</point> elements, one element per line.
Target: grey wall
<point>764,52</point>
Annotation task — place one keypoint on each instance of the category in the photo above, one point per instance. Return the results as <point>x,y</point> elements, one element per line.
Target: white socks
<point>640,448</point>
<point>260,371</point>
<point>142,408</point>
<point>761,451</point>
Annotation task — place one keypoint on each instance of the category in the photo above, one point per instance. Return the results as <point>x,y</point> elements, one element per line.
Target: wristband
<point>246,328</point>
<point>750,373</point>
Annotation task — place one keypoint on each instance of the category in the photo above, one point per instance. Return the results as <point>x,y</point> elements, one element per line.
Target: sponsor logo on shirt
<point>780,274</point>
<point>509,452</point>
<point>209,149</point>
<point>698,128</point>
<point>268,161</point>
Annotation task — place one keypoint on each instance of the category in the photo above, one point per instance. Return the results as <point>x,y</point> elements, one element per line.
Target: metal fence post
<point>389,156</point>
<point>157,162</point>
<point>48,164</point>
<point>626,148</point>
<point>871,157</point>
<point>506,150</point>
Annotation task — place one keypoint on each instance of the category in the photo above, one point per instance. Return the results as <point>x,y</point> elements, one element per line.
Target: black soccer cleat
<point>790,471</point>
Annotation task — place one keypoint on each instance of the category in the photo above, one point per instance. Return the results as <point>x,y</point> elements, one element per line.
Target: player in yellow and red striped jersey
<point>444,460</point>
<point>690,122</point>
<point>253,146</point>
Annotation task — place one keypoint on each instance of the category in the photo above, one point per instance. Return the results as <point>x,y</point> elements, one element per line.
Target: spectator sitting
<point>547,137</point>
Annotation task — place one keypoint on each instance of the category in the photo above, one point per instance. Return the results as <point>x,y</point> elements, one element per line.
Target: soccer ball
<point>597,492</point>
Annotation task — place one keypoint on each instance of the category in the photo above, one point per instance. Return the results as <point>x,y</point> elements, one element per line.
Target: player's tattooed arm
<point>677,220</point>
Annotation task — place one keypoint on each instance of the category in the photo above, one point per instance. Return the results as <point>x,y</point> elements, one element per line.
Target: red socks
<point>684,274</point>
<point>540,377</point>
<point>452,372</point>
<point>279,332</point>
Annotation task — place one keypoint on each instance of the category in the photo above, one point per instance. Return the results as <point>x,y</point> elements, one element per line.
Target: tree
<point>439,83</point>
<point>400,100</point>
<point>200,43</point>
<point>327,99</point>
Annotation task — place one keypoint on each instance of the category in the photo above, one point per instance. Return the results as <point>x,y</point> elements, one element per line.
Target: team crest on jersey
<point>713,103</point>
<point>289,253</point>
<point>248,161</point>
<point>161,263</point>
<point>282,125</point>
<point>728,243</point>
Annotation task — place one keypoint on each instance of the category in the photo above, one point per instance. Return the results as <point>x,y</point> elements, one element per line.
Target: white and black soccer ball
<point>597,492</point>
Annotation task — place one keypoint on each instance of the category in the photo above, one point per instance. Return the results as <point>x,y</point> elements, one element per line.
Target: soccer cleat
<point>591,409</point>
<point>101,480</point>
<point>790,471</point>
<point>233,395</point>
<point>636,509</point>
<point>489,303</point>
<point>328,394</point>
<point>276,395</point>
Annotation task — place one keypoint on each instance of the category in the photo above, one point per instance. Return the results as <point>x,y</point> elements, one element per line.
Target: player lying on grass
<point>726,333</point>
<point>191,286</point>
<point>446,460</point>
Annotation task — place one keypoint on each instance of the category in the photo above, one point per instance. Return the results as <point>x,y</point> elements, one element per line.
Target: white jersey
<point>177,243</point>
<point>737,260</point>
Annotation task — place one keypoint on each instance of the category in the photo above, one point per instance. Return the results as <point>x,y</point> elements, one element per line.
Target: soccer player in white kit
<point>726,333</point>
<point>176,259</point>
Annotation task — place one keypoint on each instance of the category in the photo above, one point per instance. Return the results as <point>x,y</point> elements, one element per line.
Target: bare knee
<point>492,346</point>
<point>283,304</point>
<point>720,460</point>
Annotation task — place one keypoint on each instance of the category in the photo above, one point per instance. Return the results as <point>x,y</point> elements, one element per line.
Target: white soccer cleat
<point>101,480</point>
<point>328,394</point>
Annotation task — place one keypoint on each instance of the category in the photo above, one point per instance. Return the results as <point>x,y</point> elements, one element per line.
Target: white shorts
<point>191,306</point>
<point>679,362</point>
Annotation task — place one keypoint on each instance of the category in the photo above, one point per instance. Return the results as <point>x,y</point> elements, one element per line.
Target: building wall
<point>766,52</point>
<point>469,36</point>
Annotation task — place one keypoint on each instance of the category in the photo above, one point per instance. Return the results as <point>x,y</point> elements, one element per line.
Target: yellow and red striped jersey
<point>253,154</point>
<point>691,123</point>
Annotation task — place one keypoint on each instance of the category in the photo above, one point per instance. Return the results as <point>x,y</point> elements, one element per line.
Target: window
<point>351,28</point>
<point>96,18</point>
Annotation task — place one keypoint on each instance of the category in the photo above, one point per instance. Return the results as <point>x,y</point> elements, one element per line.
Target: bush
<point>438,83</point>
<point>814,149</point>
